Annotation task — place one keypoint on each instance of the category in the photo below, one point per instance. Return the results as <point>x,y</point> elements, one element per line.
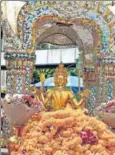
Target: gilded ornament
<point>31,63</point>
<point>20,63</point>
<point>42,78</point>
<point>15,63</point>
<point>85,94</point>
<point>31,50</point>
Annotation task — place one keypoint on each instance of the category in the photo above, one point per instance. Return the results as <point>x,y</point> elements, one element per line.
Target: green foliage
<point>48,72</point>
<point>72,71</point>
<point>77,97</point>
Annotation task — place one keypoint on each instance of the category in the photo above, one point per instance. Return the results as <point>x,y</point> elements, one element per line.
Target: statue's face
<point>60,81</point>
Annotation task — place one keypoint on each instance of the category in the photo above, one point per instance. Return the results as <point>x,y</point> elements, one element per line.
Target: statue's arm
<point>47,98</point>
<point>74,100</point>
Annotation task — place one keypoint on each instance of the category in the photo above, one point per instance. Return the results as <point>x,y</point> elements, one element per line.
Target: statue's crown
<point>61,71</point>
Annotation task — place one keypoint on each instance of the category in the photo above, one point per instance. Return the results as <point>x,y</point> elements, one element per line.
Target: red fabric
<point>19,131</point>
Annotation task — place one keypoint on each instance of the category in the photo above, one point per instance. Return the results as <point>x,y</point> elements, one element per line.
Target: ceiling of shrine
<point>49,32</point>
<point>60,34</point>
<point>58,39</point>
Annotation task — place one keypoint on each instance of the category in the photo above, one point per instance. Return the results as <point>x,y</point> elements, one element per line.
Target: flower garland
<point>28,100</point>
<point>65,132</point>
<point>21,99</point>
<point>110,107</point>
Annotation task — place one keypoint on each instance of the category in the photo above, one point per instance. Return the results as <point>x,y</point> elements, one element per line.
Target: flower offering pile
<point>107,113</point>
<point>19,108</point>
<point>65,132</point>
<point>110,108</point>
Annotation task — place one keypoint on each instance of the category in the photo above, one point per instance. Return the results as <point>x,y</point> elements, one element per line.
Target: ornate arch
<point>73,31</point>
<point>99,22</point>
<point>37,10</point>
<point>65,30</point>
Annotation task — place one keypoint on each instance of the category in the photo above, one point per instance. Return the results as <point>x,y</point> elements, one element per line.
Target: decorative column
<point>19,71</point>
<point>101,81</point>
<point>91,80</point>
<point>107,80</point>
<point>110,78</point>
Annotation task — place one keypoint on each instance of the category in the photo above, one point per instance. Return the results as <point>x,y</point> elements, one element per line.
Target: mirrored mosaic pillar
<point>19,71</point>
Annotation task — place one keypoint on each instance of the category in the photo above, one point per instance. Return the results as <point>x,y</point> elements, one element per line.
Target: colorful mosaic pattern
<point>109,91</point>
<point>11,40</point>
<point>9,81</point>
<point>34,10</point>
<point>28,77</point>
<point>92,100</point>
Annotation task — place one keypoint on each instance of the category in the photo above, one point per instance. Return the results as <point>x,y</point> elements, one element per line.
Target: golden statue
<point>61,97</point>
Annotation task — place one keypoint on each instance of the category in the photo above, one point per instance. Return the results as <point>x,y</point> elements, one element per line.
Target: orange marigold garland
<point>65,132</point>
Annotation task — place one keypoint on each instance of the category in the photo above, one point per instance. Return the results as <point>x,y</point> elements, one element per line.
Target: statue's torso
<point>59,98</point>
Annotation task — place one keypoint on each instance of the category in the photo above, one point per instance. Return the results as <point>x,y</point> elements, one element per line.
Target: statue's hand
<point>47,107</point>
<point>31,89</point>
<point>85,111</point>
<point>85,94</point>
